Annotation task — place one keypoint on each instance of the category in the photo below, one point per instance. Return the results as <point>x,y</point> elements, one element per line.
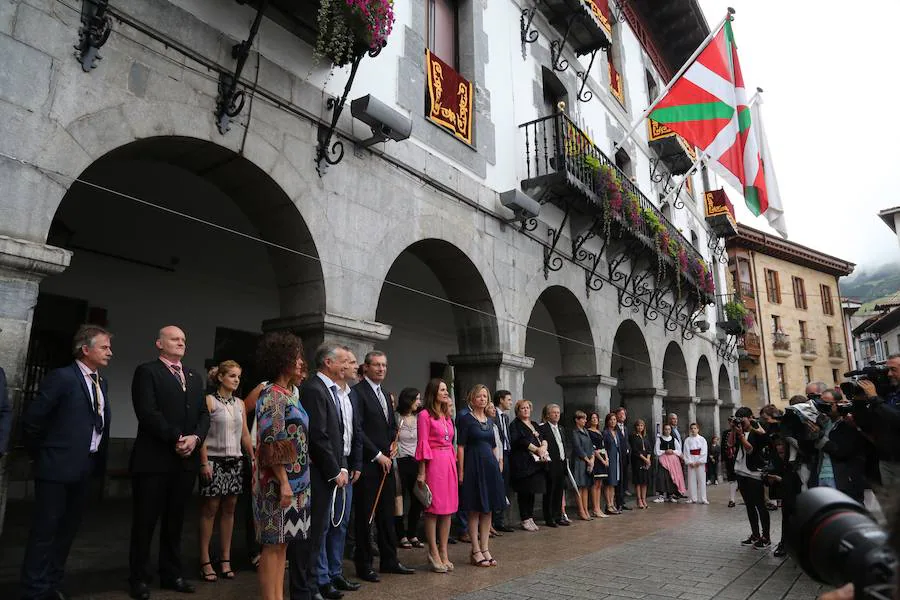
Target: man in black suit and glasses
<point>328,467</point>
<point>170,405</point>
<point>64,428</point>
<point>378,434</point>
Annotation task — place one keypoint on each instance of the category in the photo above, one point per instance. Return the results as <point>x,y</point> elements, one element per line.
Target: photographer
<point>842,450</point>
<point>750,441</point>
<point>880,419</point>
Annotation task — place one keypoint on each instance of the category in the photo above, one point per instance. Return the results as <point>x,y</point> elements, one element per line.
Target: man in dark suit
<point>557,470</point>
<point>624,457</point>
<point>378,433</point>
<point>63,428</point>
<point>170,405</point>
<point>320,397</point>
<point>330,569</point>
<point>503,402</point>
<point>5,415</point>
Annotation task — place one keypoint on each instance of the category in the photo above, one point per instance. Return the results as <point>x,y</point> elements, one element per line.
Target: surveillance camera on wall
<point>522,205</point>
<point>386,123</point>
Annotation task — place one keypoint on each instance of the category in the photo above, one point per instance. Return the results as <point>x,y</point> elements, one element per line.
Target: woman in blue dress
<point>600,463</point>
<point>482,490</point>
<point>611,443</point>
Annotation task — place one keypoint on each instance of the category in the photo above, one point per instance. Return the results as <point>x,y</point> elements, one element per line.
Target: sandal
<point>208,577</point>
<point>227,574</point>
<point>480,563</point>
<point>416,543</point>
<point>487,556</point>
<point>254,561</point>
<point>404,543</point>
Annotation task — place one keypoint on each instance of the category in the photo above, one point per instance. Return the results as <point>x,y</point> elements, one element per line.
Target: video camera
<point>877,374</point>
<point>835,541</point>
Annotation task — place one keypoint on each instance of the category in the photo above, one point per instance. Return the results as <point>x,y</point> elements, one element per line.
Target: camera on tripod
<point>877,374</point>
<point>835,541</point>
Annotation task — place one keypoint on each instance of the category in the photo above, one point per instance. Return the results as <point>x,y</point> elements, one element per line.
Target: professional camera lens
<point>835,541</point>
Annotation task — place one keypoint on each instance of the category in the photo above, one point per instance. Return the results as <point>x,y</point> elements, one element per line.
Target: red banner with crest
<point>450,98</point>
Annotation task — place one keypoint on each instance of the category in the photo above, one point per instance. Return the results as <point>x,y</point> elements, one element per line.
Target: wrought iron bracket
<point>578,252</point>
<point>529,35</point>
<point>558,46</point>
<point>616,12</point>
<point>553,262</point>
<point>528,224</point>
<point>717,247</point>
<point>687,330</point>
<point>96,25</point>
<point>586,95</point>
<point>726,348</point>
<point>230,101</point>
<point>333,152</point>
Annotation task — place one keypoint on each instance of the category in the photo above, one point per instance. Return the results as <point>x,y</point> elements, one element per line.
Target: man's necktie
<point>95,397</point>
<point>179,375</point>
<point>337,405</point>
<point>383,402</point>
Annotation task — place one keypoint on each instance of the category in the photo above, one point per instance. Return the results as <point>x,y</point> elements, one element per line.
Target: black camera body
<point>877,374</point>
<point>835,541</point>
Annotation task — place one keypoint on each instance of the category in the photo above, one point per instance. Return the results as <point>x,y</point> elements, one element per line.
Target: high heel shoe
<point>436,566</point>
<point>208,577</point>
<point>484,562</point>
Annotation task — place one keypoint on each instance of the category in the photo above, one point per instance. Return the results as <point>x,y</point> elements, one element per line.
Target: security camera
<point>522,205</point>
<point>386,123</point>
<point>702,325</point>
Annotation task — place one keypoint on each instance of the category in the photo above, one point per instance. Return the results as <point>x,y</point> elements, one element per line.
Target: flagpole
<point>634,125</point>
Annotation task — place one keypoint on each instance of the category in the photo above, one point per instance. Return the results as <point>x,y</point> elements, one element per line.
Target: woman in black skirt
<point>640,462</point>
<point>528,460</point>
<point>601,464</point>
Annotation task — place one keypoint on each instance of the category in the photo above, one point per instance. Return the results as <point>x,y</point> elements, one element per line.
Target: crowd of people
<point>315,447</point>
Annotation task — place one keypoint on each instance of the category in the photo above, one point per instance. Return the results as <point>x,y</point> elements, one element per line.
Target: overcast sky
<point>829,95</point>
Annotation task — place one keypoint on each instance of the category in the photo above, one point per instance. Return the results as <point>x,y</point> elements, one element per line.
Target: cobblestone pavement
<point>666,552</point>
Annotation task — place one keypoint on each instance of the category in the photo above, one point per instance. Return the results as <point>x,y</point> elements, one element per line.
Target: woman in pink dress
<point>437,469</point>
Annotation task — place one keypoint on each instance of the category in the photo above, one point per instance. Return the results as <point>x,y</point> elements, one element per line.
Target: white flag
<point>775,213</point>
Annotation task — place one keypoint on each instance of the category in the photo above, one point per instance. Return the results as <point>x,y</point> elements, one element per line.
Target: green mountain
<point>868,284</point>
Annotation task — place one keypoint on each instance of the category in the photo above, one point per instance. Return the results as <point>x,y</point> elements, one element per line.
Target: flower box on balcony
<point>731,326</point>
<point>348,28</point>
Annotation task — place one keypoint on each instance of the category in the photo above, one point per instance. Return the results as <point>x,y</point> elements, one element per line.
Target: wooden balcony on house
<point>781,345</point>
<point>808,348</point>
<point>587,24</point>
<point>749,343</point>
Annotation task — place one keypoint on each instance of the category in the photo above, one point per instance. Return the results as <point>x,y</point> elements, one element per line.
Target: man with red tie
<point>173,421</point>
<point>63,428</point>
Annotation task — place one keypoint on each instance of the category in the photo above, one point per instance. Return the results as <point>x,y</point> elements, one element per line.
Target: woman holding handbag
<point>437,481</point>
<point>527,459</point>
<point>582,462</point>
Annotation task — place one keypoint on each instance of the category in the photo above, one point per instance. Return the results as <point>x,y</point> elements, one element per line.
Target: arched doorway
<point>560,342</point>
<point>707,410</point>
<point>441,314</point>
<point>631,366</point>
<point>726,399</point>
<point>679,399</point>
<point>161,234</point>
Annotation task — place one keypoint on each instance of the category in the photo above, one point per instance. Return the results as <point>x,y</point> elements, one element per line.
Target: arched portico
<point>636,384</point>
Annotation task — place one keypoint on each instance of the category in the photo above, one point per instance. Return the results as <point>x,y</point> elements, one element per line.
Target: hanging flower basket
<point>347,28</point>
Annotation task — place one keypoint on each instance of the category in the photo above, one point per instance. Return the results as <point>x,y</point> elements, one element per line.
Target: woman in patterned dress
<point>281,488</point>
<point>221,473</point>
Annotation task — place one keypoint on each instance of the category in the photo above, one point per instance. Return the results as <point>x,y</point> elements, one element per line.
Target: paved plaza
<point>666,552</point>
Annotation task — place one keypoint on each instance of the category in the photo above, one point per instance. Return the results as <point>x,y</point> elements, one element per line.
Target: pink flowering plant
<point>349,27</point>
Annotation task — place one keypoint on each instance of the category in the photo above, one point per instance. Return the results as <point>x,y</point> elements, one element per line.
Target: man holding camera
<point>842,450</point>
<point>750,440</point>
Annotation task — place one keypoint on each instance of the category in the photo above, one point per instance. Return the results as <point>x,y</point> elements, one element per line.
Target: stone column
<point>585,392</point>
<point>686,409</point>
<point>708,417</point>
<point>23,265</point>
<point>496,370</point>
<point>646,404</point>
<point>314,329</point>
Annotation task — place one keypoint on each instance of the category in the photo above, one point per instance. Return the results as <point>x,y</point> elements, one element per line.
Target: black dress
<point>526,473</point>
<point>640,471</point>
<point>600,470</point>
<point>482,488</point>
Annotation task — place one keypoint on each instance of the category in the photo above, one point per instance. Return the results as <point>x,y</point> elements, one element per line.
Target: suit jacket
<point>624,446</point>
<point>376,433</point>
<point>521,463</point>
<point>503,418</point>
<point>164,413</point>
<point>556,459</point>
<point>57,425</point>
<point>847,448</point>
<point>355,462</point>
<point>326,441</point>
<point>5,414</point>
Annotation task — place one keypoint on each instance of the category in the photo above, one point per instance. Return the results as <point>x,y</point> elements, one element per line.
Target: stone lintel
<point>492,359</point>
<point>633,392</point>
<point>710,402</point>
<point>586,381</point>
<point>370,331</point>
<point>32,259</point>
<point>682,400</point>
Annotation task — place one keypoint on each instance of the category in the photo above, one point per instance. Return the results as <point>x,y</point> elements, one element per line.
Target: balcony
<point>672,150</point>
<point>781,345</point>
<point>586,25</point>
<point>749,343</point>
<point>808,348</point>
<point>719,213</point>
<point>745,289</point>
<point>565,167</point>
<point>835,352</point>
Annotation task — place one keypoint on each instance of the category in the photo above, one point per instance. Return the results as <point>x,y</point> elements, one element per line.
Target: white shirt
<point>694,442</point>
<point>347,413</point>
<point>559,443</point>
<point>379,393</point>
<point>328,383</point>
<point>96,438</point>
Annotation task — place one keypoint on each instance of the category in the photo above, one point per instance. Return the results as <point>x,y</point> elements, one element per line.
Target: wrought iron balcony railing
<point>562,162</point>
<point>835,350</point>
<point>780,341</point>
<point>807,346</point>
<point>745,288</point>
<point>749,342</point>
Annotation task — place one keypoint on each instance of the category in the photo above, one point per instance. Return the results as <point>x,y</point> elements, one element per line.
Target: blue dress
<point>482,488</point>
<point>611,443</point>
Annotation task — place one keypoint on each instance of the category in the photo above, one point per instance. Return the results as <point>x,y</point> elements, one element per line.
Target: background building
<point>140,192</point>
<point>798,333</point>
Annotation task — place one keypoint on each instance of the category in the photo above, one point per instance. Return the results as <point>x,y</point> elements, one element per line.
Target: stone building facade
<point>125,204</point>
<point>799,333</point>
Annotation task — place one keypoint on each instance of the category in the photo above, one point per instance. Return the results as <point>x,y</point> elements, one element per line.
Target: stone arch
<point>632,368</point>
<point>707,412</point>
<point>674,372</point>
<point>725,387</point>
<point>559,339</point>
<point>441,313</point>
<point>705,384</point>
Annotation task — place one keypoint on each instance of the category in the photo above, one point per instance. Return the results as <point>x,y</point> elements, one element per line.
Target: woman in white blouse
<point>408,404</point>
